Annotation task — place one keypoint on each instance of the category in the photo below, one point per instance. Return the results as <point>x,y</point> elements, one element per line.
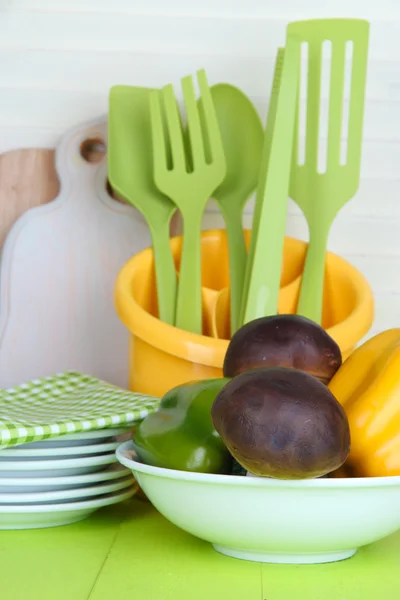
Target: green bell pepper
<point>180,434</point>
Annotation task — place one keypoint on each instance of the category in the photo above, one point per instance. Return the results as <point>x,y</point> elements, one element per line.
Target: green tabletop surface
<point>130,551</point>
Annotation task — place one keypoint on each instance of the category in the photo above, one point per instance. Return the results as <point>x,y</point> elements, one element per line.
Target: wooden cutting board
<point>59,264</point>
<point>28,178</point>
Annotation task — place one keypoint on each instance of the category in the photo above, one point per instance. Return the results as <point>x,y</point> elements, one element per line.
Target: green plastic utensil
<point>263,272</point>
<point>321,195</point>
<point>242,136</point>
<point>195,171</point>
<point>130,171</point>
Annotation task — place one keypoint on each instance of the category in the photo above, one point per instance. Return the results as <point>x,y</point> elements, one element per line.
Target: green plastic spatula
<point>130,171</point>
<point>263,271</point>
<point>321,193</point>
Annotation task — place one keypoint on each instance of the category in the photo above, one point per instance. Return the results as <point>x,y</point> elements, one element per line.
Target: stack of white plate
<point>62,480</point>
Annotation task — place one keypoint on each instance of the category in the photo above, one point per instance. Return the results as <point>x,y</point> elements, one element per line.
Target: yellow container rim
<point>211,351</point>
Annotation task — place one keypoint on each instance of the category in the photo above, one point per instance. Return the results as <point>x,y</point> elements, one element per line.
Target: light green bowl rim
<point>264,482</point>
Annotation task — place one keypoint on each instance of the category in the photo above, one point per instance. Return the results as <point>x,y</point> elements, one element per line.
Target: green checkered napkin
<point>67,403</point>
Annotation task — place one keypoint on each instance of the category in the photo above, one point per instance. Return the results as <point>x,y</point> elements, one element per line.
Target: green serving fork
<point>196,169</point>
<point>321,195</point>
<point>264,263</point>
<point>130,171</point>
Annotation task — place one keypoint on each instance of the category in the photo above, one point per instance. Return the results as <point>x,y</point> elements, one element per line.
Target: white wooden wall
<point>58,59</point>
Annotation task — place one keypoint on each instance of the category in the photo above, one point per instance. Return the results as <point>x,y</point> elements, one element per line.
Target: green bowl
<point>269,520</point>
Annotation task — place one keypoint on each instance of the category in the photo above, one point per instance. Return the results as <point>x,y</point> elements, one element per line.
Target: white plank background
<point>58,59</point>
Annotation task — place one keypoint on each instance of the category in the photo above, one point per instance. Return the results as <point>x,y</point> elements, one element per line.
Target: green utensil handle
<point>237,263</point>
<point>312,282</point>
<point>189,303</point>
<point>165,272</point>
<point>263,274</point>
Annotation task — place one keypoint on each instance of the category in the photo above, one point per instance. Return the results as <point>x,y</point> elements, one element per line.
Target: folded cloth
<point>67,403</point>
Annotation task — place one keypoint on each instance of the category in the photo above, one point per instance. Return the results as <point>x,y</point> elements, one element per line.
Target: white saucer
<point>35,516</point>
<point>52,484</point>
<point>70,495</point>
<point>62,452</point>
<point>55,468</point>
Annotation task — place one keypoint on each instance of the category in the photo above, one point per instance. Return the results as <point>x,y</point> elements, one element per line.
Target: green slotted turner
<point>264,263</point>
<point>130,171</point>
<point>321,195</point>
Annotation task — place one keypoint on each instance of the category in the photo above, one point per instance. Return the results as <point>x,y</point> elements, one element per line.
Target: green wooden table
<point>131,552</point>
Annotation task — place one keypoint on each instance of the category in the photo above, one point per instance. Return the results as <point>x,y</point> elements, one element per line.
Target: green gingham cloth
<point>67,403</point>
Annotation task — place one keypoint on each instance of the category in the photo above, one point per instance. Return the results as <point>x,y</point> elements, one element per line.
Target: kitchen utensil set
<point>160,164</point>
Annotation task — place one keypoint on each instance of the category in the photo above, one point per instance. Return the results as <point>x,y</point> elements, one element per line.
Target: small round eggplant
<point>282,423</point>
<point>283,341</point>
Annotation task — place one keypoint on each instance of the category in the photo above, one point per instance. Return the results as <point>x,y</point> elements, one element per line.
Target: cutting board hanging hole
<point>93,150</point>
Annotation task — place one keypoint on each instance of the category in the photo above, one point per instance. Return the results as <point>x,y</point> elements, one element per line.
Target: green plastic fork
<point>196,169</point>
<point>321,195</point>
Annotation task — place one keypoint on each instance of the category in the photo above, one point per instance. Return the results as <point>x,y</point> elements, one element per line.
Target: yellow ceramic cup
<point>162,356</point>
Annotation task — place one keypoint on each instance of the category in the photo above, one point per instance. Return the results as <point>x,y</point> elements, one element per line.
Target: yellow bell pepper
<point>368,387</point>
